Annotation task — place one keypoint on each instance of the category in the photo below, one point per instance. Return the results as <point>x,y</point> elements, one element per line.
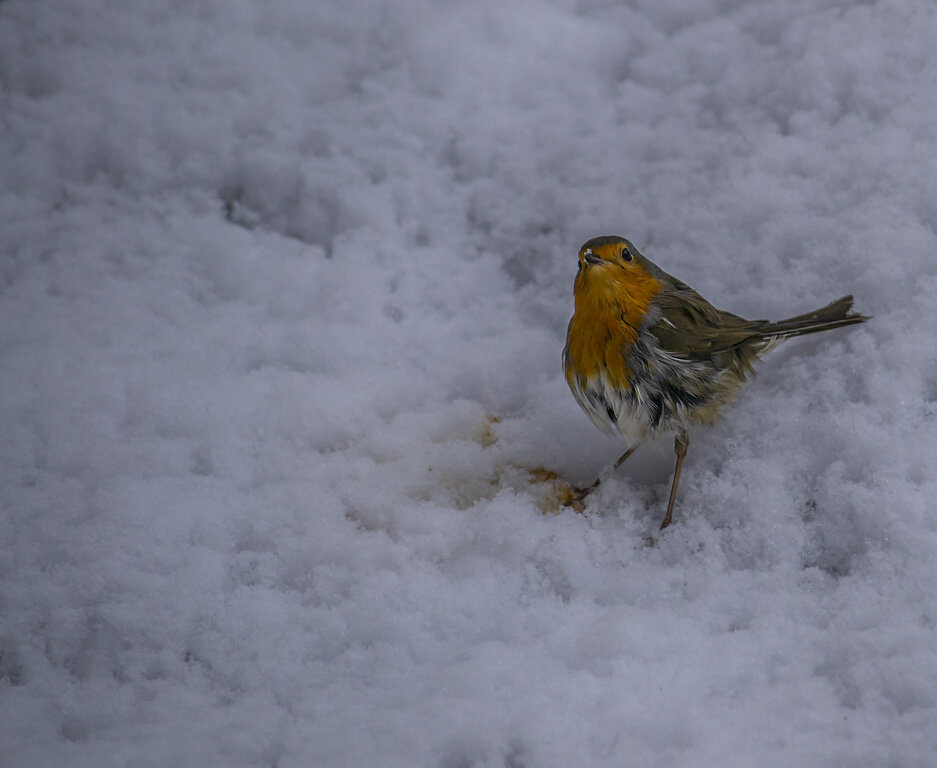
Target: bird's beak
<point>591,258</point>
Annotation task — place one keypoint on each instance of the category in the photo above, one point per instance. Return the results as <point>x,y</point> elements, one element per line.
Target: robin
<point>645,353</point>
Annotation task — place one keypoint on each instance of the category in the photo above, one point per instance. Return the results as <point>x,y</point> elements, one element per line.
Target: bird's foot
<point>578,495</point>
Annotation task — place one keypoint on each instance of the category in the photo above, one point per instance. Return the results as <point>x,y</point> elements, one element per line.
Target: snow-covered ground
<point>283,290</point>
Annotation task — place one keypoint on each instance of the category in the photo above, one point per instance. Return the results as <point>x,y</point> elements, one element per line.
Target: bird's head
<point>614,275</point>
<point>608,251</point>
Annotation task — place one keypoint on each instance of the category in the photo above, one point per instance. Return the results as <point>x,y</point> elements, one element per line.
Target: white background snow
<point>267,269</point>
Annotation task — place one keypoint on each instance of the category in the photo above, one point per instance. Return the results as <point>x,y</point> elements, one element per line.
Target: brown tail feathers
<point>834,315</point>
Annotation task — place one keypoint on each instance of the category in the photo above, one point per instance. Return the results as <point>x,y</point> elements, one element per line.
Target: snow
<point>283,290</point>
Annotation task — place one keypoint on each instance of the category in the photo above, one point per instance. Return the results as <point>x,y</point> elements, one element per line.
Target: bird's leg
<point>624,456</point>
<point>581,493</point>
<point>621,460</point>
<point>680,444</point>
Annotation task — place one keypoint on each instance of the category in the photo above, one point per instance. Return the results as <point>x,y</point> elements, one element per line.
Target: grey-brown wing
<point>692,328</point>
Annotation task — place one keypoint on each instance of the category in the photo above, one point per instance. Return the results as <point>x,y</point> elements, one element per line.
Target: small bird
<point>645,353</point>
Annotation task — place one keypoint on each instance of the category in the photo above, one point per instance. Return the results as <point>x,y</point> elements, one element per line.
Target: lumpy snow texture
<point>283,290</point>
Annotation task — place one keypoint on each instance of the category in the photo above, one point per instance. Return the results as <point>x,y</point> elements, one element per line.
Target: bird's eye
<point>626,254</point>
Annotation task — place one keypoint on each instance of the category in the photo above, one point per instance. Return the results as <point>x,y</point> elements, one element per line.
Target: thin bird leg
<point>680,444</point>
<point>621,460</point>
<point>581,493</point>
<point>624,456</point>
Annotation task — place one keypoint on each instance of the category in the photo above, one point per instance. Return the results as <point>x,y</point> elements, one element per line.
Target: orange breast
<point>611,304</point>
